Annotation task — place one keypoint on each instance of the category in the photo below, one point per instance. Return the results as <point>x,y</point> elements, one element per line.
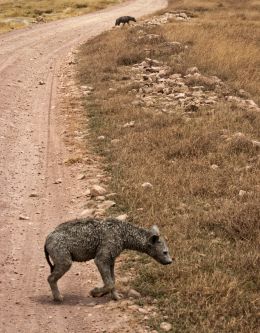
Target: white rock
<point>87,192</point>
<point>147,185</point>
<point>97,190</point>
<point>130,124</point>
<point>192,70</point>
<point>214,166</point>
<point>242,193</point>
<point>143,311</point>
<point>256,143</point>
<point>115,141</point>
<point>166,327</point>
<point>87,213</point>
<point>81,177</point>
<point>101,137</point>
<point>58,181</point>
<point>107,204</point>
<point>33,195</point>
<point>122,217</point>
<point>133,293</point>
<point>23,217</point>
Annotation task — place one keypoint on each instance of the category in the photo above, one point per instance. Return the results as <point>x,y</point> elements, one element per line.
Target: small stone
<point>87,192</point>
<point>147,185</point>
<point>256,143</point>
<point>133,293</point>
<point>97,190</point>
<point>81,177</point>
<point>107,204</point>
<point>130,124</point>
<point>101,137</point>
<point>214,166</point>
<point>100,198</point>
<point>166,327</point>
<point>87,213</point>
<point>23,217</point>
<point>122,217</point>
<point>58,181</point>
<point>143,311</point>
<point>115,141</point>
<point>242,193</point>
<point>136,103</point>
<point>33,195</point>
<point>41,83</point>
<point>192,70</point>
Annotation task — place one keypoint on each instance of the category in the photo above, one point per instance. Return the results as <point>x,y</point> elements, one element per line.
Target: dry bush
<point>210,216</point>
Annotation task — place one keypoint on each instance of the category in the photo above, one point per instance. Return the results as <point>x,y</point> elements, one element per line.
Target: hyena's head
<point>157,247</point>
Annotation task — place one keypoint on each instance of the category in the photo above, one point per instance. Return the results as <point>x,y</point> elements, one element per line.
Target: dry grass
<point>213,232</point>
<point>224,40</point>
<point>19,13</point>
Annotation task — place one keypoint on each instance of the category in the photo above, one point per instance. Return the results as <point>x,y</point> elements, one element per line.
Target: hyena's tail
<point>48,258</point>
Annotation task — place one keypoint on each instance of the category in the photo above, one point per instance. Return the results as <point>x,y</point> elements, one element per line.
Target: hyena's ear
<point>154,234</point>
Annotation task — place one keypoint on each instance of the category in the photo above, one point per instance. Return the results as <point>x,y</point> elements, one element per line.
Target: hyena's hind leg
<point>62,264</point>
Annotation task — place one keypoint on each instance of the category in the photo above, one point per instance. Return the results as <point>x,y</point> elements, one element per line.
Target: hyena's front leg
<point>104,267</point>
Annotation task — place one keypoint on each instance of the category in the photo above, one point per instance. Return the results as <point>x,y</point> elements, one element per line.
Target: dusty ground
<point>38,191</point>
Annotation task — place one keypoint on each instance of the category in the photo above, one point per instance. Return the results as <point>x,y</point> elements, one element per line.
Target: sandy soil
<point>38,191</point>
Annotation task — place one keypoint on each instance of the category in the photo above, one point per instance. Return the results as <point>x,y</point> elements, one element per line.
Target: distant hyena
<point>86,239</point>
<point>124,20</point>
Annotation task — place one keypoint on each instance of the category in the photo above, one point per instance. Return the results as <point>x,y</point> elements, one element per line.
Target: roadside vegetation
<point>210,215</point>
<point>20,13</point>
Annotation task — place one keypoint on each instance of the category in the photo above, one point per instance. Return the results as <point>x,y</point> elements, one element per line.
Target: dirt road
<point>37,190</point>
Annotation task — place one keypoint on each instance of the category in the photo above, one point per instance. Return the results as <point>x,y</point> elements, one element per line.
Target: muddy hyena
<point>101,240</point>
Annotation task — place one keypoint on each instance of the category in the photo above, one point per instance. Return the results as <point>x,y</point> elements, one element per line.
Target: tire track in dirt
<point>33,115</point>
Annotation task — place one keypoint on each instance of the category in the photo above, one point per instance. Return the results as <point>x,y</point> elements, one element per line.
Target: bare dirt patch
<point>41,177</point>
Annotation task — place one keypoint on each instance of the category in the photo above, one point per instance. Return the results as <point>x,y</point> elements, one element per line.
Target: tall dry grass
<point>213,232</point>
<point>223,39</point>
<point>50,9</point>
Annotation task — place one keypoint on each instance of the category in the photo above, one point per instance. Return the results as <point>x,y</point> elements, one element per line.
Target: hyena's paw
<point>115,295</point>
<point>58,298</point>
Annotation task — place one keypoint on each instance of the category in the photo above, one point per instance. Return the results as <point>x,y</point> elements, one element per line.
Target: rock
<point>41,83</point>
<point>130,124</point>
<point>133,293</point>
<point>97,190</point>
<point>192,70</point>
<point>33,195</point>
<point>87,192</point>
<point>100,198</point>
<point>81,177</point>
<point>87,213</point>
<point>159,88</point>
<point>183,15</point>
<point>242,193</point>
<point>107,204</point>
<point>135,103</point>
<point>101,137</point>
<point>214,166</point>
<point>143,311</point>
<point>58,181</point>
<point>23,217</point>
<point>115,141</point>
<point>111,195</point>
<point>122,217</point>
<point>147,185</point>
<point>166,327</point>
<point>256,143</point>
